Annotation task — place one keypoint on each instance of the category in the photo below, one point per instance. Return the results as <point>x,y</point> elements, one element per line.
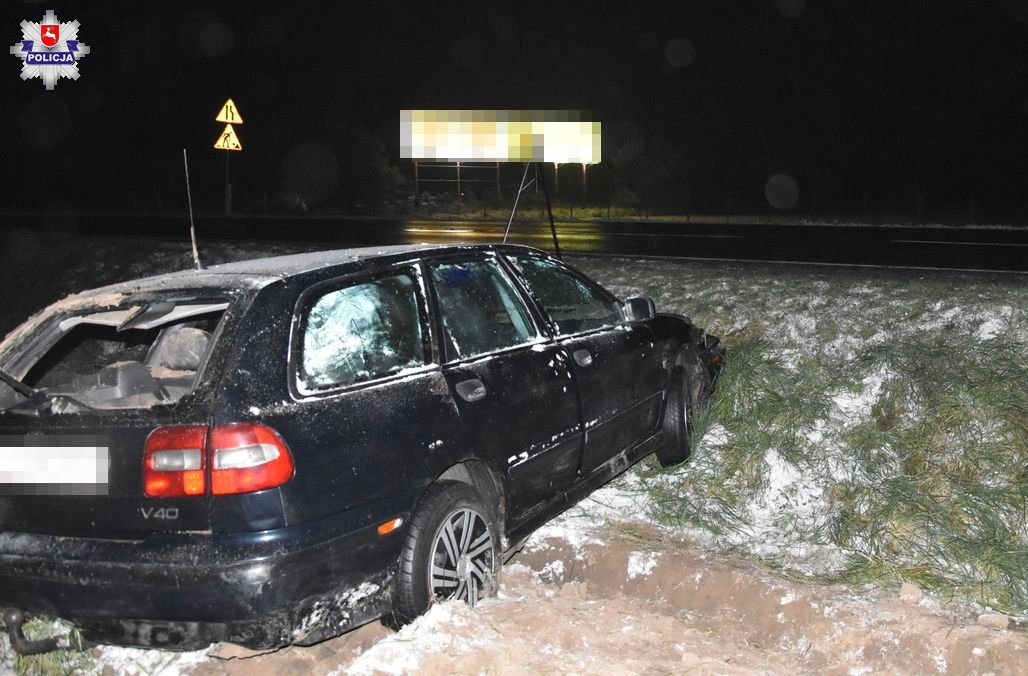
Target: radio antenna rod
<point>192,225</point>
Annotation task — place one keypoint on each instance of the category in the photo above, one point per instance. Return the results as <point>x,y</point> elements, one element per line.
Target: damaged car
<point>278,450</point>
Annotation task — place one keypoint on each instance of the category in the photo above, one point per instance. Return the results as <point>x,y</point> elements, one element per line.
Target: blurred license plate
<point>54,466</point>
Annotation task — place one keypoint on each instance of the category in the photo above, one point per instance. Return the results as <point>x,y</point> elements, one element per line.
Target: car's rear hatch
<point>85,478</point>
<point>97,383</point>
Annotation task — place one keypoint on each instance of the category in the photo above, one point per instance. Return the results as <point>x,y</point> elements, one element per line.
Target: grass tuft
<point>58,662</point>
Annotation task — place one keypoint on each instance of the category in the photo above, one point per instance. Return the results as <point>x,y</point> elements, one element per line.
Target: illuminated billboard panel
<point>499,136</point>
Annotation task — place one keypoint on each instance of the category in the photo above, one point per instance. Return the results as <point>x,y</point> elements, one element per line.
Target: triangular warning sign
<point>229,114</point>
<point>228,140</point>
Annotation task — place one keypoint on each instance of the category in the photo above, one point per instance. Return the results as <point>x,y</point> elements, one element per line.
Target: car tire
<point>451,550</point>
<point>677,447</point>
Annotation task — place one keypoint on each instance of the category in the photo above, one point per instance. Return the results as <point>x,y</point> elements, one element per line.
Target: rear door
<point>513,386</point>
<point>619,380</point>
<point>370,414</point>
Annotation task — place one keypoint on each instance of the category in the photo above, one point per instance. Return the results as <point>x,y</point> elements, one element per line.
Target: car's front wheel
<point>678,419</point>
<point>451,550</point>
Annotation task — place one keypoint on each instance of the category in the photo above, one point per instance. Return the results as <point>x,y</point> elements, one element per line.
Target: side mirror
<point>639,309</point>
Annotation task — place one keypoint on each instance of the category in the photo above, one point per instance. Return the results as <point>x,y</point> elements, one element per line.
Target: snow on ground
<point>624,500</point>
<point>139,662</point>
<point>445,627</point>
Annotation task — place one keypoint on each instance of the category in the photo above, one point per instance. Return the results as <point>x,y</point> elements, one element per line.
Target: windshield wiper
<point>37,397</point>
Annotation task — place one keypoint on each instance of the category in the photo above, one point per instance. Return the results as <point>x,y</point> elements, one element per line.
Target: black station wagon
<point>275,451</point>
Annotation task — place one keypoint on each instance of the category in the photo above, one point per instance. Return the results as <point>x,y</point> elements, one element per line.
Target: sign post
<point>228,140</point>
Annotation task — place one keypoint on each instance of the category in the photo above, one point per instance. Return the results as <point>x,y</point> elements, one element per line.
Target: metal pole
<point>460,195</point>
<point>228,188</point>
<point>517,197</point>
<point>417,186</point>
<point>546,196</point>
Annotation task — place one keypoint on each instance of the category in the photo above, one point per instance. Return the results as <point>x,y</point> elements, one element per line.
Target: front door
<point>514,388</point>
<point>618,379</point>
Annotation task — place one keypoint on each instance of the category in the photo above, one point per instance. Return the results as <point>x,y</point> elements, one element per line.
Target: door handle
<point>583,357</point>
<point>471,390</point>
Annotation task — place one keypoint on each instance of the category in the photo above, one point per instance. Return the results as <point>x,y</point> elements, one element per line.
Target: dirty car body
<point>257,452</point>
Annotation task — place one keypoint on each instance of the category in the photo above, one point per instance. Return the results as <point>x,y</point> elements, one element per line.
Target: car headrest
<point>181,348</point>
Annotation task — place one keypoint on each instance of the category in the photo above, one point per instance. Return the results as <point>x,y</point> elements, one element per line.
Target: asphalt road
<point>967,248</point>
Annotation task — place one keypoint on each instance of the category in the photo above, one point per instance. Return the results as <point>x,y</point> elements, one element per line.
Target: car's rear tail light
<point>246,458</point>
<point>173,461</point>
<point>242,458</point>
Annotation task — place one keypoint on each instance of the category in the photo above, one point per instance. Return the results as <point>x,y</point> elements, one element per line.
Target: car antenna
<point>192,225</point>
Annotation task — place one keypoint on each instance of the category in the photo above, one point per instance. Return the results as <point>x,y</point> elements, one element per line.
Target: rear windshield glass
<point>139,357</point>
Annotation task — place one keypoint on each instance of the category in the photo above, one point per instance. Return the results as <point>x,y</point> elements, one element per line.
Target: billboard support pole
<point>540,175</point>
<point>517,197</point>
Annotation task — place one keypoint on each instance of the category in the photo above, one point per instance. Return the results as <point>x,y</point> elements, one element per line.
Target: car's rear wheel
<point>677,445</point>
<point>451,551</point>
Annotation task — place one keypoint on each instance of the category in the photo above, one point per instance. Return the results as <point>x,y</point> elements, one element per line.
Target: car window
<point>362,331</point>
<point>573,305</point>
<point>479,308</point>
<point>119,359</point>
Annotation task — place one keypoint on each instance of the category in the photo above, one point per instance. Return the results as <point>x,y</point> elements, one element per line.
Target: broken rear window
<point>137,357</point>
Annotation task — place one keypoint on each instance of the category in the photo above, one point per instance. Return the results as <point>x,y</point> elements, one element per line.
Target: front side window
<point>363,331</point>
<point>479,308</point>
<point>573,305</point>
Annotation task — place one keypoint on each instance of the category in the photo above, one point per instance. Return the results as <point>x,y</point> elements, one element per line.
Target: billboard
<point>559,136</point>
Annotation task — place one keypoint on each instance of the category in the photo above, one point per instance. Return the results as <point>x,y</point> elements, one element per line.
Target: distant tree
<point>366,175</point>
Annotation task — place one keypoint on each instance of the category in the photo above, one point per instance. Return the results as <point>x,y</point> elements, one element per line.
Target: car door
<point>618,377</point>
<point>371,408</point>
<point>512,385</point>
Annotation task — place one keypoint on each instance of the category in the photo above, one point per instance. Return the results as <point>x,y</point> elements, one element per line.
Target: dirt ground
<point>633,603</point>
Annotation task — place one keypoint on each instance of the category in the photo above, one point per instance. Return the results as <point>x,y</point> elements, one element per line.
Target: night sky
<point>870,107</point>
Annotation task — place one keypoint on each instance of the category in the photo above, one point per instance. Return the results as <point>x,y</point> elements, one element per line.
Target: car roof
<point>240,275</point>
<point>258,272</point>
<point>293,264</point>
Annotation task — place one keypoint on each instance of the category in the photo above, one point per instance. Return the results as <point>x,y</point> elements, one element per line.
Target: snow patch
<point>641,563</point>
<point>450,626</point>
<point>623,500</point>
<point>997,324</point>
<point>140,662</point>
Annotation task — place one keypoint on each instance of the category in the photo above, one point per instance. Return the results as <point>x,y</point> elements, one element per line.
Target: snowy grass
<point>870,425</point>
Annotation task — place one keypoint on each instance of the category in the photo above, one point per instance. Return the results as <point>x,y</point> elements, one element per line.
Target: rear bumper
<point>292,585</point>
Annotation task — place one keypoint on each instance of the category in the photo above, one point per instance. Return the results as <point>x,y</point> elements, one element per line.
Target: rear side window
<point>362,331</point>
<point>479,308</point>
<point>572,304</point>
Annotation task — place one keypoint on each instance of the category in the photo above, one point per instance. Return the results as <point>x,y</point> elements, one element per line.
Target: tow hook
<point>13,619</point>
